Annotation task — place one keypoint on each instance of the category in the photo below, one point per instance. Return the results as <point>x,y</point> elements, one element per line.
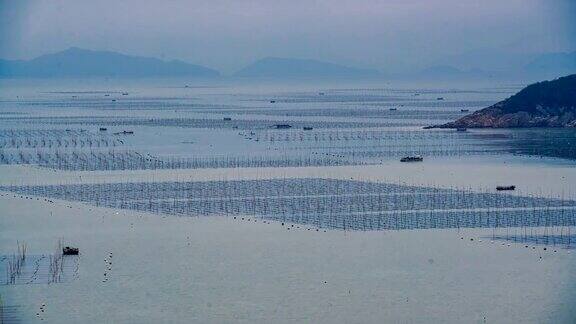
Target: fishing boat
<point>416,158</point>
<point>70,251</point>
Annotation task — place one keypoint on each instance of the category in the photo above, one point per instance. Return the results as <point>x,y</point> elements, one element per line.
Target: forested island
<point>543,104</point>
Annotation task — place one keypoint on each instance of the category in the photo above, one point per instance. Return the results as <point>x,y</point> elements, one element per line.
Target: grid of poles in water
<point>379,143</point>
<point>206,123</point>
<point>132,160</point>
<point>90,151</point>
<point>9,314</point>
<point>21,268</point>
<point>323,203</point>
<point>390,113</point>
<point>54,139</point>
<point>332,127</point>
<point>40,269</point>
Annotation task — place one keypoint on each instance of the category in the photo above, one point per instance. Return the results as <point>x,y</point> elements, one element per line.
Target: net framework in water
<point>21,268</point>
<point>323,203</point>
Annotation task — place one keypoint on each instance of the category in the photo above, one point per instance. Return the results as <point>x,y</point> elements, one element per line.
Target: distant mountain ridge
<point>542,104</point>
<point>528,66</point>
<point>553,63</point>
<point>275,67</point>
<point>77,62</point>
<point>448,72</point>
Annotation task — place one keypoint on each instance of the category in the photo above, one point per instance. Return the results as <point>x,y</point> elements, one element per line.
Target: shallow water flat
<point>219,269</point>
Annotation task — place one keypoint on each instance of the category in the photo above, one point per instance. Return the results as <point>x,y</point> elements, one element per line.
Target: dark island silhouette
<point>275,67</point>
<point>542,104</point>
<point>77,62</point>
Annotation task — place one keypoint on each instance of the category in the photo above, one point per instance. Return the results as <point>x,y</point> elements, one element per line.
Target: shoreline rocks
<point>543,104</point>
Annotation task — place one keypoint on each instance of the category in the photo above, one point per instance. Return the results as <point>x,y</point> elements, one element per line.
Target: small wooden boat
<point>70,251</point>
<point>124,133</point>
<point>502,188</point>
<point>412,159</point>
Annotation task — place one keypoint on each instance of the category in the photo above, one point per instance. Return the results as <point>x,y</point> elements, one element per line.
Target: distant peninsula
<point>77,62</point>
<point>276,67</point>
<point>543,104</point>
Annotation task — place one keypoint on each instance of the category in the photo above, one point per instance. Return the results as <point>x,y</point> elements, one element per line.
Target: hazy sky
<point>389,35</point>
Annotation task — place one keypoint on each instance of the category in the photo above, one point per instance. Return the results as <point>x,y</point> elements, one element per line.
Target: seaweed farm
<point>340,127</point>
<point>225,202</point>
<point>219,128</point>
<point>323,203</point>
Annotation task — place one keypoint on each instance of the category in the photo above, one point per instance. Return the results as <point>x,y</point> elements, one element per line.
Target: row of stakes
<point>108,265</point>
